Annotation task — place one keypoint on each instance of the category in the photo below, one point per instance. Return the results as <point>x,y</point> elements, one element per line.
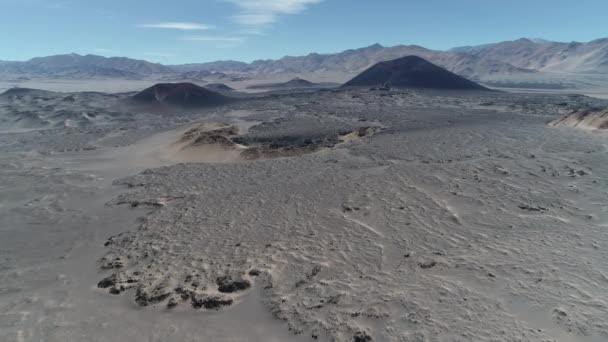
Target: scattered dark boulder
<point>107,282</point>
<point>361,336</point>
<point>144,299</point>
<point>210,303</point>
<point>427,264</point>
<point>531,208</point>
<point>114,264</point>
<point>172,303</point>
<point>227,285</point>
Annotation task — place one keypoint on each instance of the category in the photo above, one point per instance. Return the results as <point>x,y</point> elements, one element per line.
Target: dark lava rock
<point>171,304</point>
<point>114,291</point>
<point>428,264</point>
<point>112,265</point>
<point>210,302</point>
<point>530,208</point>
<point>361,337</point>
<point>107,282</point>
<point>144,299</point>
<point>227,285</point>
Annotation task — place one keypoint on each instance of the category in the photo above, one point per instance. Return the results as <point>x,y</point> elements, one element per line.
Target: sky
<point>188,31</point>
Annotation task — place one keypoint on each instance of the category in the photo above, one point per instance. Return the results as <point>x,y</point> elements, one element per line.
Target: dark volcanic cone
<point>291,84</point>
<point>181,94</point>
<point>218,87</point>
<point>298,82</point>
<point>412,72</point>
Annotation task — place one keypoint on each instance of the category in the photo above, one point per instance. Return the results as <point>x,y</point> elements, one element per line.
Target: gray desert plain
<point>379,194</point>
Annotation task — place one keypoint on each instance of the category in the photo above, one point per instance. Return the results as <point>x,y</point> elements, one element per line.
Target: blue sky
<point>181,31</point>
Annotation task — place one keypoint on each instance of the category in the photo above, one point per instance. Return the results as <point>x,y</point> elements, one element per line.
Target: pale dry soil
<point>462,218</point>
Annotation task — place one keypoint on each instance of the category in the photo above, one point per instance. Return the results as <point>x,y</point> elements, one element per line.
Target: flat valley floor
<point>348,215</point>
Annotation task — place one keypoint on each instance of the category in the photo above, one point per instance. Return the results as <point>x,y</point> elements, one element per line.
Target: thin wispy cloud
<point>262,13</point>
<point>173,25</point>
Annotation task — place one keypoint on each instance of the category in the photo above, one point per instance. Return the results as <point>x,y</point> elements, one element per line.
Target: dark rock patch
<point>210,303</point>
<point>531,208</point>
<point>427,264</point>
<point>107,282</point>
<point>144,299</point>
<point>361,337</point>
<point>227,285</point>
<point>172,303</point>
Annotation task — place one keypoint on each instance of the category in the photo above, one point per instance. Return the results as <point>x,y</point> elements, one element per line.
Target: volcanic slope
<point>412,72</point>
<point>291,84</point>
<point>182,95</point>
<point>218,87</point>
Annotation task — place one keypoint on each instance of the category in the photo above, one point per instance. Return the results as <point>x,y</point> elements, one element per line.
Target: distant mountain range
<point>523,59</point>
<point>574,57</point>
<point>475,62</point>
<point>355,61</point>
<point>89,66</point>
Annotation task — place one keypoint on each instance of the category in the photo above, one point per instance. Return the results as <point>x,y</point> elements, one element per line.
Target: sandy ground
<point>465,218</point>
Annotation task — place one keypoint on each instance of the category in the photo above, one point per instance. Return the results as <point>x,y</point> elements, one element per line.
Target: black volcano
<point>412,72</point>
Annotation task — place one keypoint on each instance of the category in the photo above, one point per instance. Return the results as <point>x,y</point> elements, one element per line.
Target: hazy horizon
<point>283,56</point>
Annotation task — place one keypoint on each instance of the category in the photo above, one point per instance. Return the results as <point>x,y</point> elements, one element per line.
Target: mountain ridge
<point>356,60</point>
<point>59,65</point>
<point>546,56</point>
<point>518,58</point>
